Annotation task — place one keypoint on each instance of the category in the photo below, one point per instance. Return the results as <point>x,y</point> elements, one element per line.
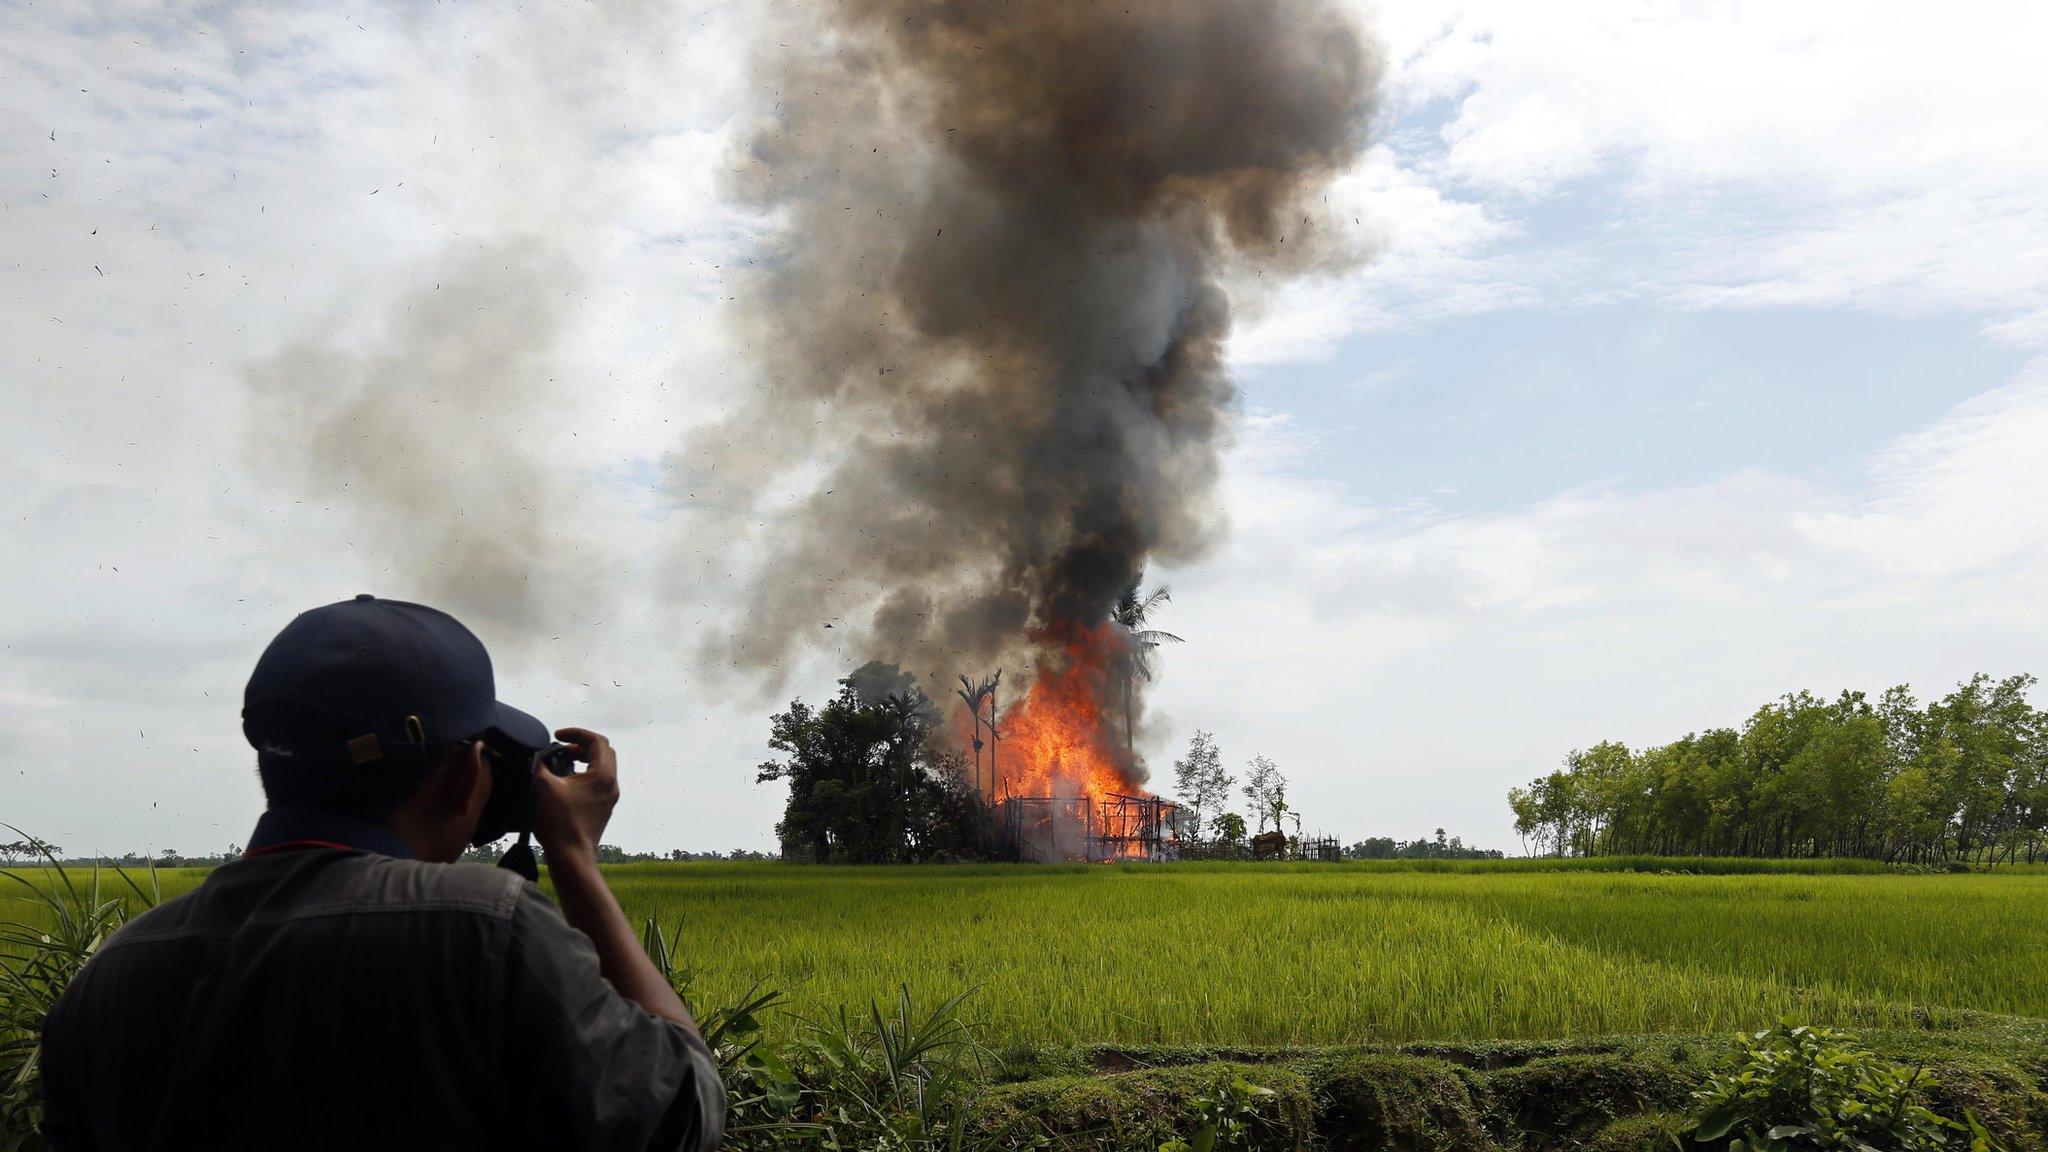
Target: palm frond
<point>1163,594</point>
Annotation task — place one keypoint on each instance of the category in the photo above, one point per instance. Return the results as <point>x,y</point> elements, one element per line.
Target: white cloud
<point>1889,157</point>
<point>1968,495</point>
<point>1846,98</point>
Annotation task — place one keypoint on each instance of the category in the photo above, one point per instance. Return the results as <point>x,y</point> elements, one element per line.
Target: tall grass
<point>1422,950</point>
<point>1232,955</point>
<point>52,919</point>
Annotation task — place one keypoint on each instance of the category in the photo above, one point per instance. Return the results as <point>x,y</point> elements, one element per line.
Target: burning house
<point>1071,789</point>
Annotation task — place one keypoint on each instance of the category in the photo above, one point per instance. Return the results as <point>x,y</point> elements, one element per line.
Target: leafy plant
<point>1228,1118</point>
<point>1816,1088</point>
<point>760,1088</point>
<point>891,1079</point>
<point>896,1078</point>
<point>42,946</point>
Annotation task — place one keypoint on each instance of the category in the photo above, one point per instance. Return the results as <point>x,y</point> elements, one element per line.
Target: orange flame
<point>1066,738</point>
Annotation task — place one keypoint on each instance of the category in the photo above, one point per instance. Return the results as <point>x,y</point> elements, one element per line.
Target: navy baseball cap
<point>369,680</point>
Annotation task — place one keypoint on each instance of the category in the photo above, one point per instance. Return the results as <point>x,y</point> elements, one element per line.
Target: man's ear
<point>472,783</point>
<point>452,791</point>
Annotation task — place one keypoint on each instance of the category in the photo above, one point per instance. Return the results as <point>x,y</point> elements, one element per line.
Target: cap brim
<point>520,728</point>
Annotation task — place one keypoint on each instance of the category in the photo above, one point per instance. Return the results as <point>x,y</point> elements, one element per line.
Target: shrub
<point>1816,1088</point>
<point>893,1079</point>
<point>1230,1117</point>
<point>67,919</point>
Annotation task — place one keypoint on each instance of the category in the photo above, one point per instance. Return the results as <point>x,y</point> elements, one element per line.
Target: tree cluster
<point>1441,848</point>
<point>868,782</point>
<point>1202,787</point>
<point>27,851</point>
<point>1961,778</point>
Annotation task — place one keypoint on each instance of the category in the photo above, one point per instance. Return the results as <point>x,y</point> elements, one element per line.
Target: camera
<point>557,758</point>
<point>510,808</point>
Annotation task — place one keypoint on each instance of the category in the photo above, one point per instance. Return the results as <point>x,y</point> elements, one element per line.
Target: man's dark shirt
<point>311,996</point>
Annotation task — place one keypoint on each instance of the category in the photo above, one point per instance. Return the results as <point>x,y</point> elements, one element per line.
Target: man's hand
<point>569,815</point>
<point>570,812</point>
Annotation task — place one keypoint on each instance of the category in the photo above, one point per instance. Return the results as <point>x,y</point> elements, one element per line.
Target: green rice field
<point>1301,954</point>
<point>1314,954</point>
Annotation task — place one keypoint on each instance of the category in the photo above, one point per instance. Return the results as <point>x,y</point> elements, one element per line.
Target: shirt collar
<point>283,825</point>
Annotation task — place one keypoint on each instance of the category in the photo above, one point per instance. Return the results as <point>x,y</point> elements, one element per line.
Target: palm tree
<point>973,695</point>
<point>1134,609</point>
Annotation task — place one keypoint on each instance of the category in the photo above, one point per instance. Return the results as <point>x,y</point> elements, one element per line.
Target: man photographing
<point>345,983</point>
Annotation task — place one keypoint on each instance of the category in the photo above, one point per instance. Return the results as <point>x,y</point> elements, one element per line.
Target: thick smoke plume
<point>997,309</point>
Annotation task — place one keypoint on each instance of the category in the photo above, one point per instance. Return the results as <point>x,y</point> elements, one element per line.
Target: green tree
<point>1200,781</point>
<point>1600,794</point>
<point>1526,805</point>
<point>1266,789</point>
<point>1547,810</point>
<point>1683,806</point>
<point>867,784</point>
<point>1987,724</point>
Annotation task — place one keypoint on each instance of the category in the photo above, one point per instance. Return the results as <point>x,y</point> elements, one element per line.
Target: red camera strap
<point>296,845</point>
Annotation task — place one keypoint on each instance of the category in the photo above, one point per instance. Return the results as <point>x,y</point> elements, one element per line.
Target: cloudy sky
<point>1700,360</point>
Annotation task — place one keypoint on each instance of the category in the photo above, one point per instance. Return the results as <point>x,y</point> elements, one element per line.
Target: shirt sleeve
<point>62,1128</point>
<point>587,1068</point>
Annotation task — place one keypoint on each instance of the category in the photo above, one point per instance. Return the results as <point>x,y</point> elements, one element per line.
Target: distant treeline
<point>1961,779</point>
<point>36,852</point>
<point>1387,848</point>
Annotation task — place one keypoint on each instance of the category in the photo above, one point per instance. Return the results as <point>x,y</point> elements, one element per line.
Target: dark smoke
<point>998,309</point>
